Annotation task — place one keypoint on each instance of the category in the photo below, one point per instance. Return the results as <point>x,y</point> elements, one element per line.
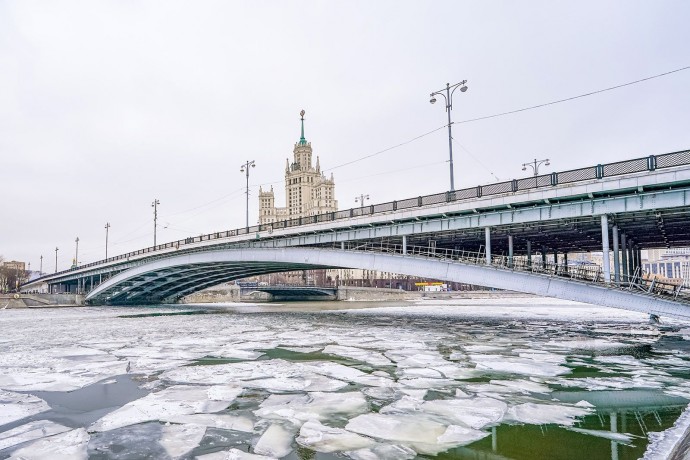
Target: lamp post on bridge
<point>76,252</point>
<point>535,165</point>
<point>56,251</point>
<point>107,227</point>
<point>154,205</point>
<point>40,270</point>
<point>361,199</point>
<point>449,106</point>
<point>245,169</point>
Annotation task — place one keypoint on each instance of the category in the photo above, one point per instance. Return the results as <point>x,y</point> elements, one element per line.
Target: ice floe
<point>383,452</point>
<point>70,445</point>
<point>233,454</point>
<point>662,444</point>
<point>176,400</point>
<point>276,441</point>
<point>322,438</point>
<point>223,421</point>
<point>16,406</point>
<point>29,432</point>
<point>372,357</point>
<point>320,406</point>
<point>541,414</point>
<point>178,440</point>
<point>515,365</point>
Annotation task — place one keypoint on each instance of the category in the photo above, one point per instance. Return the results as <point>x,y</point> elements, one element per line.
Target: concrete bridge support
<point>510,251</point>
<point>487,237</point>
<point>605,248</point>
<point>616,256</point>
<point>529,253</point>
<point>624,254</point>
<point>404,244</point>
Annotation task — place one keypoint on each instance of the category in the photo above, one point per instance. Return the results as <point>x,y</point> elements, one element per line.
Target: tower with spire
<point>307,190</point>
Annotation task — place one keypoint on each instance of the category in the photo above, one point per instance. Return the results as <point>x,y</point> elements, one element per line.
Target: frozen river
<point>460,379</point>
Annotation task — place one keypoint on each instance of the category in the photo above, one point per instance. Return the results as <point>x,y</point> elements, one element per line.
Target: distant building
<point>14,265</point>
<point>307,191</point>
<point>671,264</point>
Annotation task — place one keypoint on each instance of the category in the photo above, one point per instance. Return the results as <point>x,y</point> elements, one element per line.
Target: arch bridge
<point>520,235</point>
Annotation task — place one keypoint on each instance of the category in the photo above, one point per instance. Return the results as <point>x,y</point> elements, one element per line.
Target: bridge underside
<point>167,280</point>
<point>168,284</point>
<point>648,229</point>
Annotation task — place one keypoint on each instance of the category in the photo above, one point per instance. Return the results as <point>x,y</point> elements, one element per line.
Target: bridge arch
<point>168,279</point>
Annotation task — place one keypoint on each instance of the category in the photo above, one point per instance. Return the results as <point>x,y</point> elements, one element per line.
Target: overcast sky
<point>106,106</point>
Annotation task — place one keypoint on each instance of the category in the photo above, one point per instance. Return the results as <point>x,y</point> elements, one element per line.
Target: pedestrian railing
<point>649,163</point>
<point>592,274</point>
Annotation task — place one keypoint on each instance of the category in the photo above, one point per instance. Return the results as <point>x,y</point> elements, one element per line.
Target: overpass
<point>510,235</point>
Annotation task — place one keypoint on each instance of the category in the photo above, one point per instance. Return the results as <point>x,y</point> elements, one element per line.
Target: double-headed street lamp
<point>245,169</point>
<point>361,199</point>
<point>448,96</point>
<point>535,165</point>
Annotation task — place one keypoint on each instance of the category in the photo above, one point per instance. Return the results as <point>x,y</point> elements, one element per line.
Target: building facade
<point>307,190</point>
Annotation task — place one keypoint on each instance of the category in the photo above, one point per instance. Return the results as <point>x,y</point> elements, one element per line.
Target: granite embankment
<point>40,300</point>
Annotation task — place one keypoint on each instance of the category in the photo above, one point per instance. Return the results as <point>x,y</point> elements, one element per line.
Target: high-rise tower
<point>307,191</point>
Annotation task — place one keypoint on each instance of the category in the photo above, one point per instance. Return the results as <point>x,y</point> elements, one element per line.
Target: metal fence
<point>649,163</point>
<point>584,273</point>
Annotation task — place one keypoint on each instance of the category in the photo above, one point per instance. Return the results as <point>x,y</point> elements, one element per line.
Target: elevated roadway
<point>619,208</point>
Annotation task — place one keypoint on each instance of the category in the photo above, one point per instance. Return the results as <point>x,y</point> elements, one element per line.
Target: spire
<point>302,140</point>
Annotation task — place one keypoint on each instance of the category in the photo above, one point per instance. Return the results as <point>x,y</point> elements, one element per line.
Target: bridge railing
<point>649,163</point>
<point>589,273</point>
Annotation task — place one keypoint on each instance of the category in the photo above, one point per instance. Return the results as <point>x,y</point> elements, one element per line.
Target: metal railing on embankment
<point>591,274</point>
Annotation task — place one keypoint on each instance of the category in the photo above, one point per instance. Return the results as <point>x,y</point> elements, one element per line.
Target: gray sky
<point>105,106</point>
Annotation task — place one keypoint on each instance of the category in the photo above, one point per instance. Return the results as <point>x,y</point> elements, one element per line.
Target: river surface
<point>506,378</point>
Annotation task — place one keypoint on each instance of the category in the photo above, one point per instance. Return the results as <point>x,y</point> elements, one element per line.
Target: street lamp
<point>107,226</point>
<point>40,270</point>
<point>361,199</point>
<point>76,253</point>
<point>245,169</point>
<point>535,165</point>
<point>449,106</point>
<point>56,251</point>
<point>154,205</point>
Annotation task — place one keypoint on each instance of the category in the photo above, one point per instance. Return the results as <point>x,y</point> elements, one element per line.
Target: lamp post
<point>76,252</point>
<point>245,169</point>
<point>107,227</point>
<point>154,205</point>
<point>535,165</point>
<point>361,199</point>
<point>40,270</point>
<point>56,251</point>
<point>448,96</point>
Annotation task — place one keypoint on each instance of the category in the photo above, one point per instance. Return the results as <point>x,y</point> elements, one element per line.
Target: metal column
<point>624,256</point>
<point>565,262</point>
<point>510,251</point>
<point>487,237</point>
<point>605,248</point>
<point>404,248</point>
<point>529,253</point>
<point>616,256</point>
<point>543,257</point>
